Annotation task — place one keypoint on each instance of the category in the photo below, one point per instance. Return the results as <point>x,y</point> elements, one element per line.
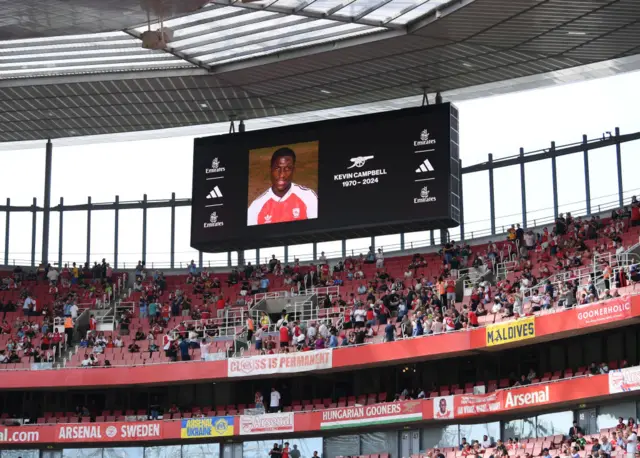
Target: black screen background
<point>388,136</point>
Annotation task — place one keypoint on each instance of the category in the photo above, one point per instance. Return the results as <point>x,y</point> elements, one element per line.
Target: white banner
<point>624,380</point>
<point>267,423</point>
<point>281,363</point>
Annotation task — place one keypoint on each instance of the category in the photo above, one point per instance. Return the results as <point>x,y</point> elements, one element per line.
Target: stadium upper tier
<point>359,302</point>
<point>78,68</point>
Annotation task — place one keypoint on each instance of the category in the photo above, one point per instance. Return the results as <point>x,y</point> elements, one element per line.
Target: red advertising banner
<point>17,435</point>
<point>610,311</point>
<point>472,405</point>
<point>110,432</point>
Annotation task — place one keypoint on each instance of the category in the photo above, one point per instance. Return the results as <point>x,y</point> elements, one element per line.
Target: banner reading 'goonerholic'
<point>281,363</point>
<point>609,311</point>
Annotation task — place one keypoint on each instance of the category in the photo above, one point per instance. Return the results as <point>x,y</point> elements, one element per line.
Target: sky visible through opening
<point>499,125</point>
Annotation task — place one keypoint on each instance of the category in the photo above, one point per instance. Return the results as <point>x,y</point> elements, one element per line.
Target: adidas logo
<point>425,167</point>
<point>215,194</point>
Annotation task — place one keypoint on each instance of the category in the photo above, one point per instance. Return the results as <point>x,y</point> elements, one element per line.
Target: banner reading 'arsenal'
<point>267,423</point>
<point>109,432</point>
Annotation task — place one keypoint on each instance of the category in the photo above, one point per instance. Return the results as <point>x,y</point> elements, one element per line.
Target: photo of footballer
<point>290,175</point>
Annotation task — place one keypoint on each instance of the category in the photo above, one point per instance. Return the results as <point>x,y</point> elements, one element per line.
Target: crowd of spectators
<point>576,444</point>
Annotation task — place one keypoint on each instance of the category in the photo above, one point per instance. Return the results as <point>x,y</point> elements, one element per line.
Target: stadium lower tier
<point>540,415</point>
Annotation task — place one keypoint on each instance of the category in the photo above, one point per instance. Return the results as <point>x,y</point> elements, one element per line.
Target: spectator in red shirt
<point>220,304</point>
<point>284,335</point>
<point>451,292</point>
<point>473,319</point>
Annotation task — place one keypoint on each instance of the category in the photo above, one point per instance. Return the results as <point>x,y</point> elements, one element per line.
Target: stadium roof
<point>77,68</point>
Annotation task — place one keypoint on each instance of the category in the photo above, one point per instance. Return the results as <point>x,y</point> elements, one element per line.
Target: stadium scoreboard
<point>350,177</point>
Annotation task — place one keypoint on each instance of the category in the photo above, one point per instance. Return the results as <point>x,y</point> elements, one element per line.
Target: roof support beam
<point>231,35</point>
<point>177,54</point>
<point>370,10</point>
<point>306,13</point>
<point>276,36</point>
<point>302,40</point>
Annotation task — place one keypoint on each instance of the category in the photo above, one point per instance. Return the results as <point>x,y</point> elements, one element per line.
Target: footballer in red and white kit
<point>441,408</point>
<point>284,201</point>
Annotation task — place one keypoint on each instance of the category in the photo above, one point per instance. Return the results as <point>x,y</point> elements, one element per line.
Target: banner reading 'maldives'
<point>391,412</point>
<point>281,363</point>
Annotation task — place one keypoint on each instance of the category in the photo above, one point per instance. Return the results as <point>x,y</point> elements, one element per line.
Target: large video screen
<point>309,182</point>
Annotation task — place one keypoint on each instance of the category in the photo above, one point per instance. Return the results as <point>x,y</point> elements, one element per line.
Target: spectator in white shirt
<point>312,332</point>
<point>53,275</point>
<point>324,331</point>
<point>631,441</point>
<point>204,349</point>
<point>322,258</point>
<point>486,442</point>
<point>74,311</point>
<point>379,259</point>
<point>360,315</point>
<point>86,362</point>
<point>274,404</point>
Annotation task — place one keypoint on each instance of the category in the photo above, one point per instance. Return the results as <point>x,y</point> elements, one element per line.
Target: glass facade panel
<point>82,453</point>
<point>608,415</point>
<point>123,452</point>
<point>554,423</point>
<point>449,436</point>
<point>475,432</point>
<point>522,428</point>
<point>201,450</point>
<point>260,449</point>
<point>166,451</point>
<point>20,454</point>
